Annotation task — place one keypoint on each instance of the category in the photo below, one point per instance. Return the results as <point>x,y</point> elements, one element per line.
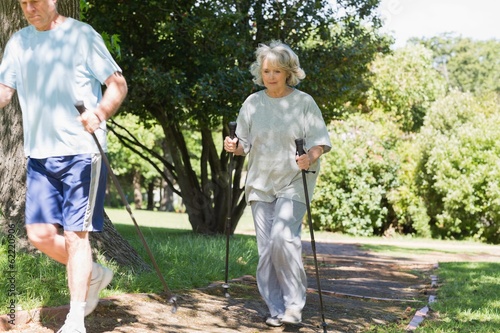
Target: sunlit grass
<point>468,299</point>
<point>467,296</point>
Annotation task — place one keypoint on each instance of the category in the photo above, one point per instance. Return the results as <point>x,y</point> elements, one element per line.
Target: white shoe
<point>96,285</point>
<point>71,327</point>
<point>292,316</point>
<point>273,321</point>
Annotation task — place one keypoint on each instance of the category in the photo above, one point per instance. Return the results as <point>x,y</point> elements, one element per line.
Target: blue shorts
<point>67,190</point>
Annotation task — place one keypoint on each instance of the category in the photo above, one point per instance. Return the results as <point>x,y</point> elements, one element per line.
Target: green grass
<point>468,294</point>
<point>468,299</point>
<point>186,261</point>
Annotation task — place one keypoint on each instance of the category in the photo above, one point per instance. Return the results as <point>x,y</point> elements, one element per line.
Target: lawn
<point>467,297</point>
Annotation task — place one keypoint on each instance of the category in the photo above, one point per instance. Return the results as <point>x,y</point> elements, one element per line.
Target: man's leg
<point>79,264</point>
<point>45,237</point>
<point>72,250</point>
<point>78,268</point>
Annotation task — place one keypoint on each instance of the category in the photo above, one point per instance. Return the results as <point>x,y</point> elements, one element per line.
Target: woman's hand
<point>230,145</point>
<point>305,160</point>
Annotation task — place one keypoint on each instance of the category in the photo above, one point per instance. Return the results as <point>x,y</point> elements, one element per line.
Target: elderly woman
<point>268,123</point>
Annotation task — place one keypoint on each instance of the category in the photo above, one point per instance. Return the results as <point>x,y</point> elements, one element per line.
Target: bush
<point>459,169</point>
<point>356,176</point>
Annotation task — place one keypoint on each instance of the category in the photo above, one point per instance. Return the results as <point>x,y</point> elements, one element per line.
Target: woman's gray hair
<point>281,56</point>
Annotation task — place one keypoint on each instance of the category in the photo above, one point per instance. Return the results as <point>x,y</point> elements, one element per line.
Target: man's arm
<point>116,90</point>
<point>6,94</point>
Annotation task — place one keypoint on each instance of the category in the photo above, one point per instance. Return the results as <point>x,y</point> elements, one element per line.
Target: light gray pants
<point>281,277</point>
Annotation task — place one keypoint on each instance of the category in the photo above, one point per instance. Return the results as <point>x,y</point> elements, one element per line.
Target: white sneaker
<point>71,327</point>
<point>273,321</point>
<point>96,285</point>
<point>292,316</point>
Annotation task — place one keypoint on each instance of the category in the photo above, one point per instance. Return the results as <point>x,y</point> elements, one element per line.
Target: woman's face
<point>273,77</point>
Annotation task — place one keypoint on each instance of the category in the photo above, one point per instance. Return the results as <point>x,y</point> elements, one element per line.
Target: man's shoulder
<point>76,25</point>
<point>23,32</point>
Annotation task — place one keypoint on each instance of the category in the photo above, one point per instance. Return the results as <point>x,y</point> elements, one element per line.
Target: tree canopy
<point>404,85</point>
<point>468,65</point>
<point>187,67</point>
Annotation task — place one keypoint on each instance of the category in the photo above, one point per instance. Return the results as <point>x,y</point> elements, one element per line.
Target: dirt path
<point>360,289</point>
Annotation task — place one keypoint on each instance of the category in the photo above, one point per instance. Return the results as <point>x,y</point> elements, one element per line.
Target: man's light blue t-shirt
<point>51,70</point>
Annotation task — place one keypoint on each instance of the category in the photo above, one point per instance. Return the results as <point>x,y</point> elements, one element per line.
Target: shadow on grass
<point>186,260</point>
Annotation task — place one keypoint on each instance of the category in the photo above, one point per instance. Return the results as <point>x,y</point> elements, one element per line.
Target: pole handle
<point>299,143</point>
<point>232,129</point>
<point>80,106</point>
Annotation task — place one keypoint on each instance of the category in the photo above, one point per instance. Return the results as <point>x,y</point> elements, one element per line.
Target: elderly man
<point>51,64</point>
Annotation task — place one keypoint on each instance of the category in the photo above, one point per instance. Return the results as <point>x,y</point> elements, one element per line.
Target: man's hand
<point>6,94</point>
<point>90,121</point>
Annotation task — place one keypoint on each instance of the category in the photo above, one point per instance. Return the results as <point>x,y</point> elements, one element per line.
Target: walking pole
<point>299,143</point>
<point>225,286</point>
<point>173,299</point>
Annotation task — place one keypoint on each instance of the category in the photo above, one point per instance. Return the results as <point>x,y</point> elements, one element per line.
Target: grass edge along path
<point>465,299</point>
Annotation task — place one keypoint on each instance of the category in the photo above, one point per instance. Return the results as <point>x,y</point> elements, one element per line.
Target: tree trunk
<point>13,162</point>
<point>167,198</point>
<point>206,201</point>
<point>136,183</point>
<point>151,195</point>
<point>114,247</point>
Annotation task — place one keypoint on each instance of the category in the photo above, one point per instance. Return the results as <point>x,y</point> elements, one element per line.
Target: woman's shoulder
<point>254,97</point>
<point>303,96</point>
<point>301,93</point>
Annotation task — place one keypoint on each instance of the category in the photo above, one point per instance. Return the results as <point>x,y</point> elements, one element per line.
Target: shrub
<point>459,169</point>
<point>356,176</point>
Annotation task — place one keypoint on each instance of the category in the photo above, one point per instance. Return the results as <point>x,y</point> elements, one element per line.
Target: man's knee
<point>40,234</point>
<point>76,238</point>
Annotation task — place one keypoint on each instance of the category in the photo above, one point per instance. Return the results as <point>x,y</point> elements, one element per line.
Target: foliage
<point>409,207</point>
<point>367,182</point>
<point>404,85</point>
<point>459,170</point>
<point>130,160</point>
<point>356,177</point>
<point>440,181</point>
<point>468,65</point>
<point>148,133</point>
<point>187,67</point>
